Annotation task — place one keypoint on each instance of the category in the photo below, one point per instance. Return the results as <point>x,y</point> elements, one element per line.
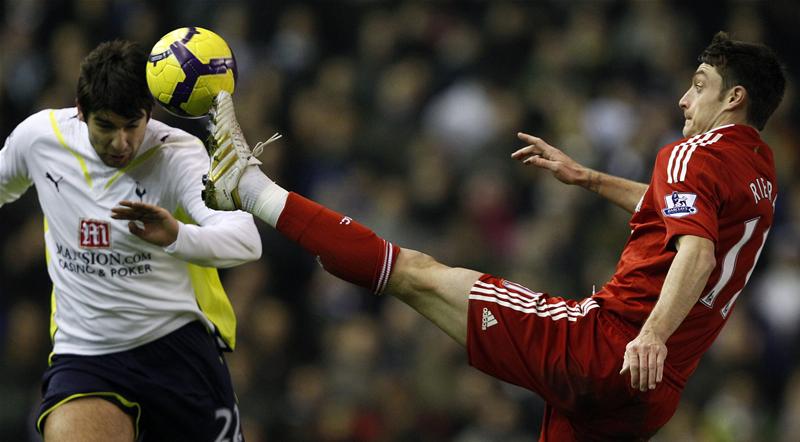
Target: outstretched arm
<point>644,356</point>
<point>14,175</point>
<point>222,240</point>
<point>620,191</point>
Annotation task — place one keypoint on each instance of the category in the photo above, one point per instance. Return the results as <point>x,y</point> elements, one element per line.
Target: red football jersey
<point>718,185</point>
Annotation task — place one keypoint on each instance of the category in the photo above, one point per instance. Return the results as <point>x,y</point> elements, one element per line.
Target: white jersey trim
<point>518,298</point>
<point>679,158</point>
<point>386,269</point>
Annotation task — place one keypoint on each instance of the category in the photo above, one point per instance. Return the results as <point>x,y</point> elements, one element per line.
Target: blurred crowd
<point>402,115</point>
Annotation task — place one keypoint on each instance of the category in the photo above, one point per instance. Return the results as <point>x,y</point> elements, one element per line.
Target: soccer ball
<point>187,68</point>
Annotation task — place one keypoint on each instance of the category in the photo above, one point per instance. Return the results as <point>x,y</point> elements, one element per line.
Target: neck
<point>727,117</point>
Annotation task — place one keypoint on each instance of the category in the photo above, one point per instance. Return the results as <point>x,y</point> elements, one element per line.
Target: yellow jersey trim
<point>53,326</point>
<point>121,399</point>
<point>132,165</point>
<point>63,143</point>
<point>210,295</point>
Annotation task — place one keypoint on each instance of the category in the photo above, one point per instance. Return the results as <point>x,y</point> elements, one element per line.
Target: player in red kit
<point>611,366</point>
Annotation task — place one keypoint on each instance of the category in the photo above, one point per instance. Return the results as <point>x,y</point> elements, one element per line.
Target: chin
<point>690,129</point>
<point>118,163</point>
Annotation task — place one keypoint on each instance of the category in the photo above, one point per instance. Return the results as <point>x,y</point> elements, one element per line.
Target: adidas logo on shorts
<point>488,319</point>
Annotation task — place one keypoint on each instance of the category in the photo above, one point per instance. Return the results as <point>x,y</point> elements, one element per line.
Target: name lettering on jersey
<point>102,263</point>
<point>680,204</point>
<point>94,234</point>
<point>762,189</point>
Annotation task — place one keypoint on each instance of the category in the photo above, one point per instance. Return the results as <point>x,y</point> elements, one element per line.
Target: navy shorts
<point>176,388</point>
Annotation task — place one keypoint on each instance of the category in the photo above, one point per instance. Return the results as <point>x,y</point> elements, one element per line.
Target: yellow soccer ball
<point>187,68</point>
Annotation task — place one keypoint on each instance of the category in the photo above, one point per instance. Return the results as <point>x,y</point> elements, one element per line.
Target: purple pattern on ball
<point>194,68</point>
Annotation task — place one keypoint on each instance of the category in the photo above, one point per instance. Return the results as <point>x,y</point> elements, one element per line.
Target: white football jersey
<point>113,291</point>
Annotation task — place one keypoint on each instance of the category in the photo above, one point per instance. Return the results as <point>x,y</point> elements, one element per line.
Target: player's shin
<point>345,248</point>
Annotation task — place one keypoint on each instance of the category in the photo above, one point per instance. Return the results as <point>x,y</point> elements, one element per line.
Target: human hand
<point>545,156</point>
<point>149,222</point>
<point>644,359</point>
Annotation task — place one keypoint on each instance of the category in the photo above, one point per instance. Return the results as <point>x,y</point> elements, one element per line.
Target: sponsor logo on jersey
<point>94,234</point>
<point>103,263</point>
<point>680,204</point>
<point>53,180</point>
<point>100,257</point>
<point>488,319</point>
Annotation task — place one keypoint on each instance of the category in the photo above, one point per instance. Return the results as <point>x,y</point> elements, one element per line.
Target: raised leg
<point>88,419</point>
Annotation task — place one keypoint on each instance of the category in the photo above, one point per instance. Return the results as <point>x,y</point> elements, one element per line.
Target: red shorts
<point>570,353</point>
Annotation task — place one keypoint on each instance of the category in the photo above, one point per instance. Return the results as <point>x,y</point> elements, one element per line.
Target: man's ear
<point>736,98</point>
<point>80,112</point>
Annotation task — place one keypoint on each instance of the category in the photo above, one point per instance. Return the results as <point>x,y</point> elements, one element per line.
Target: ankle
<point>261,196</point>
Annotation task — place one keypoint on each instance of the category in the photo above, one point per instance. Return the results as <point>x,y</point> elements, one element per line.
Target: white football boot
<point>230,155</point>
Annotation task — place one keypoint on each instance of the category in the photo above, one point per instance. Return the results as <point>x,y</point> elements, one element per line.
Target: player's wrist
<point>172,232</point>
<point>588,178</point>
<point>654,331</point>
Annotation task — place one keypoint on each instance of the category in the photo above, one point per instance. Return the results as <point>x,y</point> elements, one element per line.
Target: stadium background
<point>403,115</point>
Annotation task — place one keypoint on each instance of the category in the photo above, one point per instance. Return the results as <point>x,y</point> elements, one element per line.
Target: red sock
<point>345,248</point>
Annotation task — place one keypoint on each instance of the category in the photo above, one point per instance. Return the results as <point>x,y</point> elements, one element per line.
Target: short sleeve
<point>687,188</point>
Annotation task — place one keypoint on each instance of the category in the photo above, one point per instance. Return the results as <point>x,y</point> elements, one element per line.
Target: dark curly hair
<point>113,78</point>
<point>755,67</point>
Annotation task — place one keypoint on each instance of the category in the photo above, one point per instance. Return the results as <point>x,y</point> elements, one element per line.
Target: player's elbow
<point>706,261</point>
<point>247,248</point>
<point>703,257</point>
<point>251,243</point>
<point>253,250</point>
<point>698,251</point>
<point>412,273</point>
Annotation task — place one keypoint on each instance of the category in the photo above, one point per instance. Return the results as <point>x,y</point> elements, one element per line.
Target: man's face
<point>116,139</point>
<point>702,103</point>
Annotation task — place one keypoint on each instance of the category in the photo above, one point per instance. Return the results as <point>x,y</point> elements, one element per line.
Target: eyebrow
<point>697,73</point>
<point>102,120</point>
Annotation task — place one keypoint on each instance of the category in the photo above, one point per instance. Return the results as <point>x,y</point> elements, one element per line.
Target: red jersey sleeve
<point>688,191</point>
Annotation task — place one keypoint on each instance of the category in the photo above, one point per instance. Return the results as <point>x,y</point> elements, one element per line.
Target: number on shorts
<point>227,416</point>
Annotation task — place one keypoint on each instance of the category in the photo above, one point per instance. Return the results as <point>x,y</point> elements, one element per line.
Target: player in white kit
<point>139,316</point>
